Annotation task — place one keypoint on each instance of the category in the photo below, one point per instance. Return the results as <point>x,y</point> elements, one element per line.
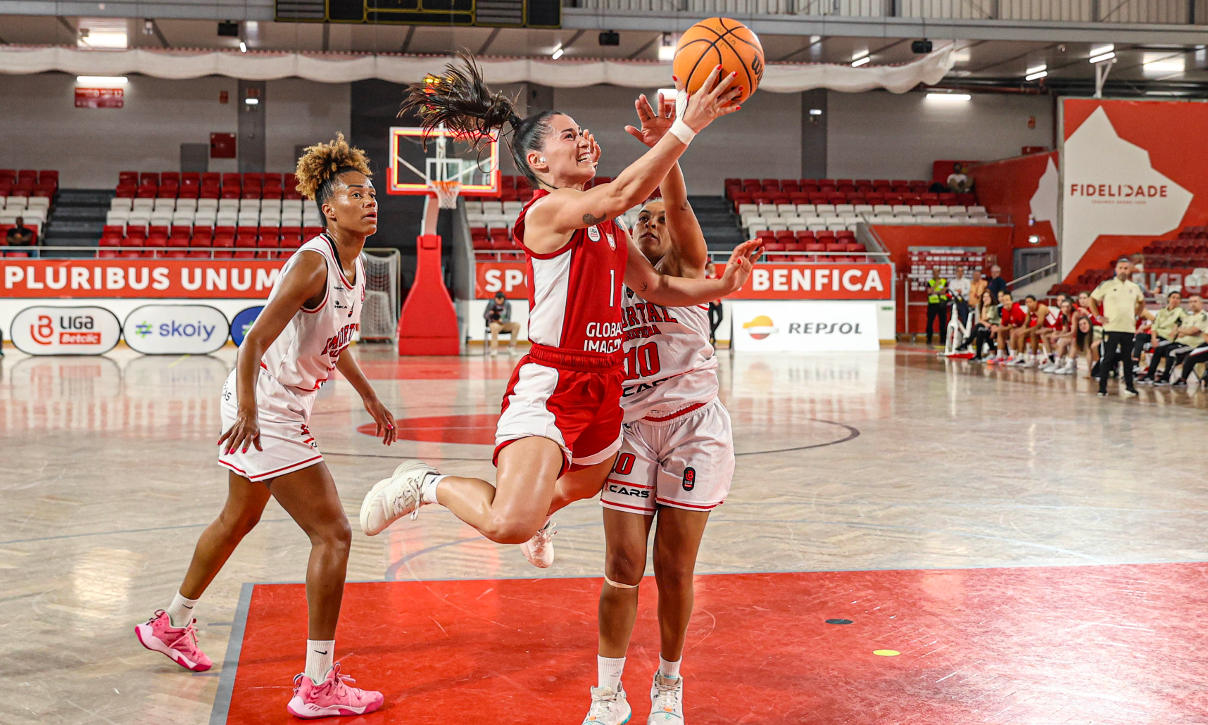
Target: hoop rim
<point>446,191</point>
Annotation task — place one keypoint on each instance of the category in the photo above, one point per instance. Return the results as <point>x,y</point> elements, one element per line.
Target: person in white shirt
<point>958,182</point>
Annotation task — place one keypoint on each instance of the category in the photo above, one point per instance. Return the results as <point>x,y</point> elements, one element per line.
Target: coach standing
<point>1122,301</point>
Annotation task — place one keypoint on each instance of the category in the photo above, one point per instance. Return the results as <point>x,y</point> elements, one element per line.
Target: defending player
<point>676,461</point>
<point>311,315</point>
<point>560,425</point>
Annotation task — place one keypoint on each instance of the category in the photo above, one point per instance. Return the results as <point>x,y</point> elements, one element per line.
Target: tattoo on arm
<point>589,219</point>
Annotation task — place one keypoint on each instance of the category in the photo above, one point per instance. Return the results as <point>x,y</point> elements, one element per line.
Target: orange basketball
<point>724,42</point>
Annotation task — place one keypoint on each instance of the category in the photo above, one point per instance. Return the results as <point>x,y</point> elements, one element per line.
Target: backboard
<point>413,167</point>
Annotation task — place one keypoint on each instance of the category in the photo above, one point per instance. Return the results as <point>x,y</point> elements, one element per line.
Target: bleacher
<point>29,194</point>
<point>207,215</point>
<point>1188,251</point>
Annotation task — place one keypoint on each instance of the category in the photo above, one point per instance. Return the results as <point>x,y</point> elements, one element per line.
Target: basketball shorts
<point>283,414</point>
<point>686,462</point>
<point>580,410</point>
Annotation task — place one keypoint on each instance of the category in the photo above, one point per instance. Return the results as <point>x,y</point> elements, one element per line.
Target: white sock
<point>427,489</point>
<point>320,653</point>
<point>669,670</point>
<point>608,672</point>
<point>180,611</point>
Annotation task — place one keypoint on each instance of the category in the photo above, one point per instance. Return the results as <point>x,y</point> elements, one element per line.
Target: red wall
<point>1007,186</point>
<point>899,239</point>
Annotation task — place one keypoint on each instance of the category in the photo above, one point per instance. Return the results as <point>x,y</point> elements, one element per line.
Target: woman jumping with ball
<point>560,425</point>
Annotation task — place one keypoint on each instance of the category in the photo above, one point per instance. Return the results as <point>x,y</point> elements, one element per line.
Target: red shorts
<point>574,399</point>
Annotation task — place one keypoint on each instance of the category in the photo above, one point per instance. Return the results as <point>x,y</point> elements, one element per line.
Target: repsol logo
<point>824,328</point>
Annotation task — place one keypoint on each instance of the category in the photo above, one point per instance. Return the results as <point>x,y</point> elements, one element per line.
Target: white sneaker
<point>392,498</point>
<point>539,550</point>
<point>608,707</point>
<point>666,701</point>
<point>1017,361</point>
<point>1071,368</point>
<point>1051,367</point>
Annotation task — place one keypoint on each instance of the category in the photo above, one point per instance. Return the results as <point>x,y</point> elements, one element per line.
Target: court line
<point>230,661</point>
<point>124,531</point>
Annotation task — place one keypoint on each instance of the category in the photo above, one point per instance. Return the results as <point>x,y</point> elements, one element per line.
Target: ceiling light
<point>942,97</point>
<point>815,111</point>
<point>815,39</point>
<point>101,81</point>
<point>101,33</point>
<point>1166,65</point>
<point>1102,57</point>
<point>1033,239</point>
<point>1035,74</point>
<point>557,52</point>
<point>242,47</point>
<point>860,60</point>
<point>252,101</point>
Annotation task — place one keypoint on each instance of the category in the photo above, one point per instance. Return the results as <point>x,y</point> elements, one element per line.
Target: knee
<point>673,574</point>
<point>503,530</point>
<point>625,565</point>
<point>239,524</point>
<point>334,535</point>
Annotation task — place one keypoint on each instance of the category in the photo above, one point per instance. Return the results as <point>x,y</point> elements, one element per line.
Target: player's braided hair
<point>461,101</point>
<point>320,166</point>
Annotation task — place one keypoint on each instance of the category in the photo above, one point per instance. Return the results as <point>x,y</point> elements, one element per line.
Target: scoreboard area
<point>460,13</point>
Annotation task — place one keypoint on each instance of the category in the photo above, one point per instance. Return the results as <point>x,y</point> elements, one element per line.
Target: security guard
<point>937,305</point>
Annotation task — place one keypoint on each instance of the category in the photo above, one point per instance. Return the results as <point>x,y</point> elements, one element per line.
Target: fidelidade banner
<point>1132,171</point>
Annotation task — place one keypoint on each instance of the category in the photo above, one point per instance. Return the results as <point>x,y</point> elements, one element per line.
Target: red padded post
<point>428,323</point>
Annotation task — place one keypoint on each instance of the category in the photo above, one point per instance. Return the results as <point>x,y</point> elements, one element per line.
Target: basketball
<point>719,41</point>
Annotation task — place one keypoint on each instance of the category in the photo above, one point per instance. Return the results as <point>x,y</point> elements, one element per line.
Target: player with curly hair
<point>311,315</point>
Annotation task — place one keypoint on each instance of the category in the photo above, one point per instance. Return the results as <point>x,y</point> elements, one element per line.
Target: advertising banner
<point>100,97</point>
<point>139,278</point>
<point>1130,174</point>
<point>65,330</point>
<point>772,326</point>
<point>242,322</point>
<point>767,281</point>
<point>176,329</point>
<point>1027,188</point>
<point>491,277</point>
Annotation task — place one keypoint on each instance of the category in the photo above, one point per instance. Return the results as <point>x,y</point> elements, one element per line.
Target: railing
<point>1036,273</point>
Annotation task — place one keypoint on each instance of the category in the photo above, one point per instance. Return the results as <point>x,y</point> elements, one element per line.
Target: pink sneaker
<point>331,697</point>
<point>178,643</point>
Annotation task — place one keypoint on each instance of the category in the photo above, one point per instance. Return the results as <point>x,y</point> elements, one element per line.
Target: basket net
<point>446,192</point>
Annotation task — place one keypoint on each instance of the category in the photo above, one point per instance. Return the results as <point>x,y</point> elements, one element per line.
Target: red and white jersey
<point>1054,319</point>
<point>670,367</point>
<point>304,354</point>
<point>575,292</point>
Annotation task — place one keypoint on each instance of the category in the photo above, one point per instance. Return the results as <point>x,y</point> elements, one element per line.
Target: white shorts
<point>283,415</point>
<point>686,462</point>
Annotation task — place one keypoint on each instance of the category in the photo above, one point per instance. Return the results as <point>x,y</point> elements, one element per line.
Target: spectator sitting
<point>498,316</point>
<point>1062,339</point>
<point>986,329</point>
<point>1013,317</point>
<point>997,285</point>
<point>1160,338</point>
<point>1026,340</point>
<point>1189,338</point>
<point>1094,325</point>
<point>20,235</point>
<point>958,182</point>
<point>1198,354</point>
<point>1086,343</point>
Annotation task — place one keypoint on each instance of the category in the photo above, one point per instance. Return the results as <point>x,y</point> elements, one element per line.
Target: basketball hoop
<point>446,192</point>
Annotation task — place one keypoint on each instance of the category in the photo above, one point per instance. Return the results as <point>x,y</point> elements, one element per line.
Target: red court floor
<point>1094,644</point>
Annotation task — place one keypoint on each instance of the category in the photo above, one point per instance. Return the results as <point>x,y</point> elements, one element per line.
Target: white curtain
<point>337,68</point>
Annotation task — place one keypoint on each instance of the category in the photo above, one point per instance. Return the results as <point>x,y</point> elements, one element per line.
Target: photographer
<point>498,316</point>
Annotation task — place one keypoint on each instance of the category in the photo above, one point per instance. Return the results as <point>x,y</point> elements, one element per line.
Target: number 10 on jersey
<point>642,361</point>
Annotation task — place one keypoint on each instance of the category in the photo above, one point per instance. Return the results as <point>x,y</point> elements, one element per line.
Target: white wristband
<point>680,130</point>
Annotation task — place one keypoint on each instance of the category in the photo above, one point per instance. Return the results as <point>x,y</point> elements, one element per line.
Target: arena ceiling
<point>1161,68</point>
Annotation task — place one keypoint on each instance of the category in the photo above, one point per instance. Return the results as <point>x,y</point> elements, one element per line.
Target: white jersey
<point>304,354</point>
<point>669,364</point>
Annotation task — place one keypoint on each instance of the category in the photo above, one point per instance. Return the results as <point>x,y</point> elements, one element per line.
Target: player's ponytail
<point>320,166</point>
<point>461,101</point>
